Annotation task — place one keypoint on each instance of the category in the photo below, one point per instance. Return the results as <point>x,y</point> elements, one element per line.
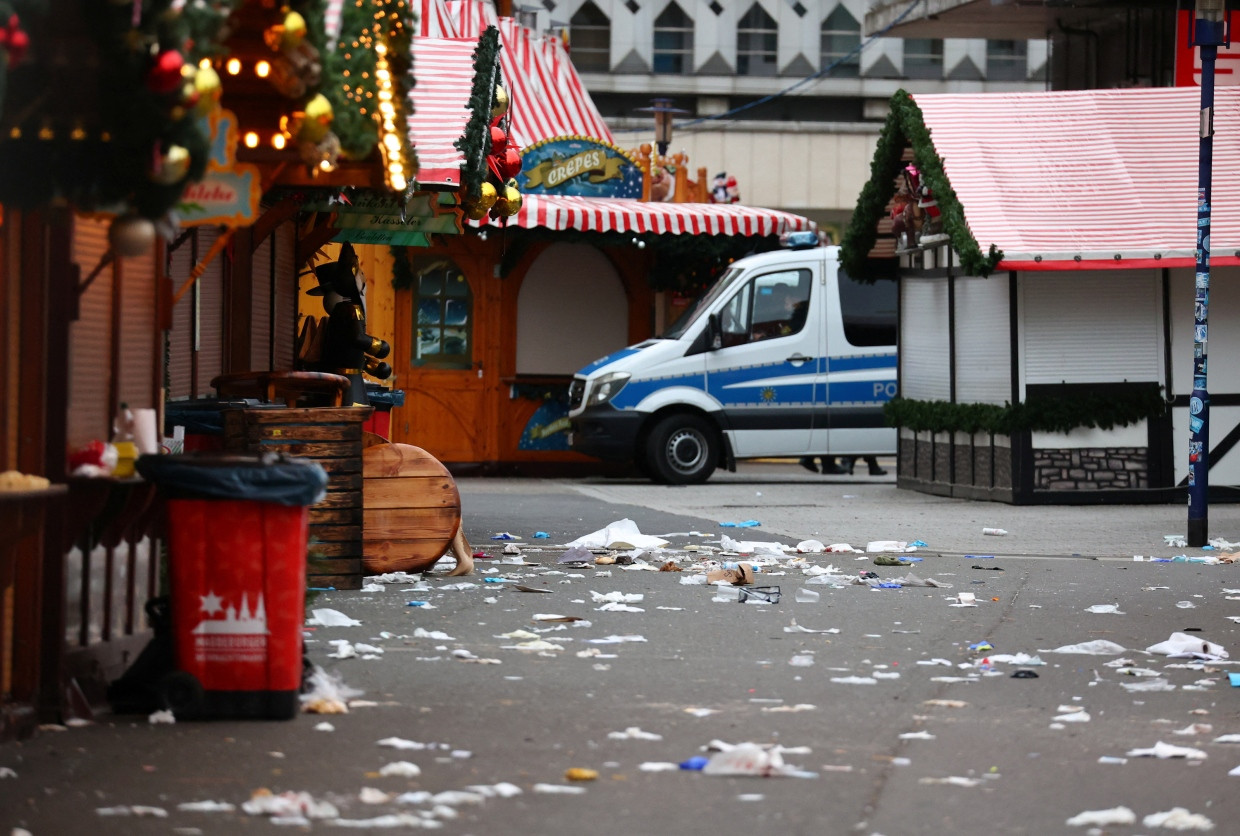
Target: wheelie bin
<point>237,532</point>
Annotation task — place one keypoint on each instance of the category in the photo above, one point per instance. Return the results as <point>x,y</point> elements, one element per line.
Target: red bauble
<point>165,74</point>
<point>510,164</point>
<point>499,139</point>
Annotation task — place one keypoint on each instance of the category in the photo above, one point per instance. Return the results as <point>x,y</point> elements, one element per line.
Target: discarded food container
<point>237,532</point>
<point>997,532</point>
<point>766,594</point>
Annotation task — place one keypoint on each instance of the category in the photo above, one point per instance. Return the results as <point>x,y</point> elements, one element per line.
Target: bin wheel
<point>182,694</point>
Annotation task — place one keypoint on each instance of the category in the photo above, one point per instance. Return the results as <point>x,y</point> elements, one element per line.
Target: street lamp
<point>663,114</point>
<point>1209,32</point>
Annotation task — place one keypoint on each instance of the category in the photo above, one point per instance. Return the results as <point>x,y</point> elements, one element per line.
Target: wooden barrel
<point>411,506</point>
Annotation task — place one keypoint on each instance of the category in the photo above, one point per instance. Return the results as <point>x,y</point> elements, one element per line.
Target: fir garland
<point>349,70</point>
<point>402,272</point>
<point>906,126</point>
<point>476,141</point>
<point>1040,413</point>
<point>94,145</point>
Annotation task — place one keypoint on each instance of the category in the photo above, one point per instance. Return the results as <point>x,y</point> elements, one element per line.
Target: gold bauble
<point>207,83</point>
<point>475,211</point>
<point>173,166</point>
<point>513,199</point>
<point>488,197</point>
<point>501,103</point>
<point>131,236</point>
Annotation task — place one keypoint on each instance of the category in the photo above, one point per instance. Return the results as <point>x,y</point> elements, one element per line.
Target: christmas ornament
<point>171,167</point>
<point>501,103</point>
<point>510,166</point>
<point>499,140</point>
<point>165,74</point>
<point>14,40</point>
<point>488,197</point>
<point>131,235</point>
<point>317,121</point>
<point>288,35</point>
<point>207,83</point>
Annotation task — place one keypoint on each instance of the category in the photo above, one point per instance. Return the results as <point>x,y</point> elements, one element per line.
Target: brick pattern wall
<point>1091,468</point>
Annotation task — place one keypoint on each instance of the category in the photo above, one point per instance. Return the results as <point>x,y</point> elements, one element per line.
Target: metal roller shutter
<point>138,332</point>
<point>210,314</point>
<point>181,337</point>
<point>285,334</point>
<point>90,338</point>
<point>261,306</point>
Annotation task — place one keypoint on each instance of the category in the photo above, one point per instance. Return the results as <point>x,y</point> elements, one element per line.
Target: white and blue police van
<point>785,356</point>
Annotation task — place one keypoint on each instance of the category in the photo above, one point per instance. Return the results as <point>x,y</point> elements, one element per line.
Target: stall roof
<point>548,99</point>
<point>1089,179</point>
<point>592,214</point>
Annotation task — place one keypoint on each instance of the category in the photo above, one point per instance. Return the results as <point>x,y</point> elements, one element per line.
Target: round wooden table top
<point>411,509</point>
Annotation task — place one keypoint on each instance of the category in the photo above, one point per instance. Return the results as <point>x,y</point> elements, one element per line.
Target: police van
<point>785,356</point>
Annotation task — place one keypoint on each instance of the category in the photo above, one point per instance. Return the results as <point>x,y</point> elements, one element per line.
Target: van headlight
<point>606,388</point>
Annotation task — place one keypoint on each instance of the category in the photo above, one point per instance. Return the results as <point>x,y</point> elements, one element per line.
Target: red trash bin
<point>237,582</point>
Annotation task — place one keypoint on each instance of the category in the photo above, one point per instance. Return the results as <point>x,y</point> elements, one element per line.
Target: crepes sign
<point>581,167</point>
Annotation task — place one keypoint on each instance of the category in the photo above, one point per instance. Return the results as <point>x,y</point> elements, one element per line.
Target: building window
<point>589,38</point>
<point>673,41</point>
<point>841,35</point>
<point>444,309</point>
<point>757,43</point>
<point>923,58</point>
<point>1007,60</point>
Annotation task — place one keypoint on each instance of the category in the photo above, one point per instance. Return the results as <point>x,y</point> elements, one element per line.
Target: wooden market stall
<point>1047,302</point>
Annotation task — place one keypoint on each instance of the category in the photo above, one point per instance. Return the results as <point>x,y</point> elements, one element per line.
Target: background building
<point>731,67</point>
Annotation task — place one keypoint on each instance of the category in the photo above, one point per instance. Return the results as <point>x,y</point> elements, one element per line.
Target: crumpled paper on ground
<point>1097,647</point>
<point>325,617</point>
<point>621,534</point>
<point>1184,646</point>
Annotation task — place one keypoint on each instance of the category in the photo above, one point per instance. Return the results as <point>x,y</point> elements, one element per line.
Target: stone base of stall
<point>1009,469</point>
<point>331,436</point>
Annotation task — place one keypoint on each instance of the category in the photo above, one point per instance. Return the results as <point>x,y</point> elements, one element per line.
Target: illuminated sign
<point>229,192</point>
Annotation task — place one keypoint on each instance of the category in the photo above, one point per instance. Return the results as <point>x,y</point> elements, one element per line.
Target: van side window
<point>868,310</point>
<point>771,305</point>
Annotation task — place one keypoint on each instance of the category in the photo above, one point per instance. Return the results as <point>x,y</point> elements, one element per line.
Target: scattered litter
<point>521,588</point>
<point>561,619</point>
<point>854,680</point>
<point>616,639</point>
<point>1111,609</point>
<point>206,807</point>
<point>810,547</point>
<point>658,766</point>
<point>701,712</point>
<point>576,554</point>
<point>1097,647</point>
<point>758,595</point>
<point>670,566</point>
<point>373,795</point>
<point>1177,818</point>
<point>745,524</point>
<point>1148,686</point>
<point>1194,729</point>
<point>801,660</point>
<point>579,773</point>
<point>1166,750</point>
<point>807,596</point>
<point>994,532</point>
<point>324,727</point>
<point>160,717</point>
<point>940,703</point>
<point>289,806</point>
<point>7,772</point>
<point>1102,818</point>
<point>617,597</point>
<point>917,735</point>
<point>888,546</point>
<point>789,709</point>
<point>633,733</point>
<point>952,780</point>
<point>138,810</point>
<point>622,534</point>
<point>324,617</point>
<point>1108,759</point>
<point>888,560</point>
<point>965,599</point>
<point>541,535</point>
<point>404,769</point>
<point>1184,646</point>
<point>797,628</point>
<point>504,535</point>
<point>752,760</point>
<point>1174,541</point>
<point>327,694</point>
<point>1024,673</point>
<point>561,789</point>
<point>1072,714</point>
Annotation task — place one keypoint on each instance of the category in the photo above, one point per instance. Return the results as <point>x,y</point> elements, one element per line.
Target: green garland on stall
<point>476,141</point>
<point>1041,413</point>
<point>349,70</point>
<point>93,145</point>
<point>907,126</point>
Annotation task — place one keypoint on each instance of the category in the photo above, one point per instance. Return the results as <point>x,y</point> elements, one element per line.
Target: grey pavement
<point>905,730</point>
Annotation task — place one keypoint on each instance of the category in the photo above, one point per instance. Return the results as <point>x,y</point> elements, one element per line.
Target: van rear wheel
<point>682,450</point>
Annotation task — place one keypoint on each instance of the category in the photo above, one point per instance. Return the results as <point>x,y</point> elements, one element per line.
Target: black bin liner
<point>201,417</point>
<point>270,478</point>
<point>381,397</point>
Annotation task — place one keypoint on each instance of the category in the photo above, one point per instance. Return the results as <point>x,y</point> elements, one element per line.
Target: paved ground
<point>891,709</point>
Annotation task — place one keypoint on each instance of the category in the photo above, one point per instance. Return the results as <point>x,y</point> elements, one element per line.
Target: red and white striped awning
<point>444,68</point>
<point>1089,179</point>
<point>592,214</point>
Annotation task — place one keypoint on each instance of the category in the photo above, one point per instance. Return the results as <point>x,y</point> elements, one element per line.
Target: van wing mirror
<point>714,334</point>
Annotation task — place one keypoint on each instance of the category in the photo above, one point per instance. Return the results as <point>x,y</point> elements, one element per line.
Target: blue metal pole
<point>1207,35</point>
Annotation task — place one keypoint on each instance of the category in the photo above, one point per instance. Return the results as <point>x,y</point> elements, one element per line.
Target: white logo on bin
<point>240,636</point>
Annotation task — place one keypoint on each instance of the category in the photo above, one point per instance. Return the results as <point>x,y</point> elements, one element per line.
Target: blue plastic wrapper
<point>541,535</point>
<point>697,762</point>
<point>278,479</point>
<point>745,524</point>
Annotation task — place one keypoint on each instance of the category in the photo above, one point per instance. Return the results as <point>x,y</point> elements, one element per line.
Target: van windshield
<point>699,308</point>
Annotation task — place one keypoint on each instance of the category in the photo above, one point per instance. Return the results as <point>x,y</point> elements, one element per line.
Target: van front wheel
<point>682,450</point>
